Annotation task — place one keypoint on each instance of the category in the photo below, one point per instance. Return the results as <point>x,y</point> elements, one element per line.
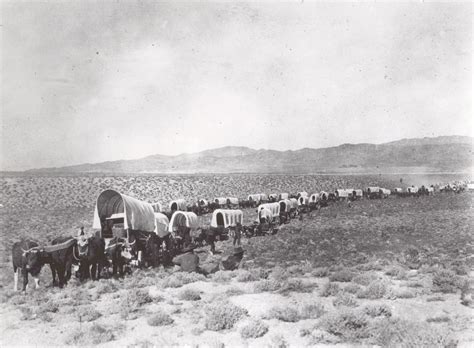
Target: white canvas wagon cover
<point>220,200</point>
<point>302,200</point>
<point>162,223</point>
<point>273,207</point>
<point>358,192</point>
<point>285,205</point>
<point>314,198</point>
<point>183,218</point>
<point>284,196</point>
<point>266,214</point>
<point>137,215</point>
<point>232,200</point>
<point>157,207</point>
<point>227,217</point>
<point>178,204</point>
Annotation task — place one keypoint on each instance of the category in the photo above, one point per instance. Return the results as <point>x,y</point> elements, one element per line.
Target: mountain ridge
<point>436,153</point>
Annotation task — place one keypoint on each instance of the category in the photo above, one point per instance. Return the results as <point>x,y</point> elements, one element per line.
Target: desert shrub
<point>267,285</point>
<point>294,270</point>
<point>278,341</point>
<point>401,293</point>
<point>190,295</point>
<point>222,276</point>
<point>234,291</point>
<point>221,316</point>
<point>160,319</point>
<point>435,299</point>
<point>49,307</point>
<point>254,329</point>
<point>461,270</point>
<point>179,279</point>
<point>246,276</point>
<point>295,285</point>
<point>445,281</point>
<point>397,271</point>
<point>45,316</point>
<point>320,272</point>
<point>278,273</point>
<point>288,314</point>
<point>343,275</point>
<point>377,310</point>
<point>440,319</point>
<point>365,278</point>
<point>132,301</point>
<point>5,296</point>
<point>330,289</point>
<point>312,311</point>
<point>344,299</point>
<point>86,313</point>
<point>317,337</point>
<point>27,313</point>
<point>391,332</point>
<point>106,287</point>
<point>374,265</point>
<point>377,289</point>
<point>352,288</point>
<point>348,324</point>
<point>96,334</point>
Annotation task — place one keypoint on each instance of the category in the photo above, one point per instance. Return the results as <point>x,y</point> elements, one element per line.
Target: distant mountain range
<point>439,154</point>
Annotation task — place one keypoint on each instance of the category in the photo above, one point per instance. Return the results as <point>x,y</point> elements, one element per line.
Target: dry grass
<point>330,289</point>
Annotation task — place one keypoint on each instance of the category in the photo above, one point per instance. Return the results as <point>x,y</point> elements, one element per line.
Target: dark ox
<point>117,253</point>
<point>26,259</point>
<point>89,253</point>
<point>60,256</point>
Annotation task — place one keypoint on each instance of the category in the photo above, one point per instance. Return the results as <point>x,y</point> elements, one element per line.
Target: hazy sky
<point>97,81</point>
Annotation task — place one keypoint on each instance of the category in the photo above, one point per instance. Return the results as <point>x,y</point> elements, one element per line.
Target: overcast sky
<point>97,81</point>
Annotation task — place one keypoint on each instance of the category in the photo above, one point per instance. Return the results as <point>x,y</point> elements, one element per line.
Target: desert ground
<point>390,272</point>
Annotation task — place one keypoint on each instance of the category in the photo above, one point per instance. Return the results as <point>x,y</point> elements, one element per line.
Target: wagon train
<point>134,232</point>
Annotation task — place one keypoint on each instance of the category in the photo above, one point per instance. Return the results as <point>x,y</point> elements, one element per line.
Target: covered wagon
<point>357,194</point>
<point>161,225</point>
<point>302,194</point>
<point>183,225</point>
<point>178,205</point>
<point>232,202</point>
<point>384,193</point>
<point>314,198</point>
<point>157,207</point>
<point>412,190</point>
<point>273,197</point>
<point>122,213</point>
<point>225,218</point>
<point>274,208</point>
<point>373,192</point>
<point>220,201</point>
<point>284,196</point>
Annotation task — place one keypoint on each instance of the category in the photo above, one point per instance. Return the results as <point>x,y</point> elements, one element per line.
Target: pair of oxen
<point>90,254</point>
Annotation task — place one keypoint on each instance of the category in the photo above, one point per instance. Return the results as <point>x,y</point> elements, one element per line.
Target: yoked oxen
<point>30,258</point>
<point>90,254</point>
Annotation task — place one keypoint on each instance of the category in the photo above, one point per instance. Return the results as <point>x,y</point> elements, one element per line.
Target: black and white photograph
<point>236,174</point>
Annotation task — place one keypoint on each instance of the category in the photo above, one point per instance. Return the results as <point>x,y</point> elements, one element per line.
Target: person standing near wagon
<point>237,234</point>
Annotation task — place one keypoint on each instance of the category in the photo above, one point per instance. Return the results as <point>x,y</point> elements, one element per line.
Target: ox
<point>24,263</point>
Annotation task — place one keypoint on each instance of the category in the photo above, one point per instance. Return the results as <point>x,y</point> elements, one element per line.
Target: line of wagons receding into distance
<point>142,233</point>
